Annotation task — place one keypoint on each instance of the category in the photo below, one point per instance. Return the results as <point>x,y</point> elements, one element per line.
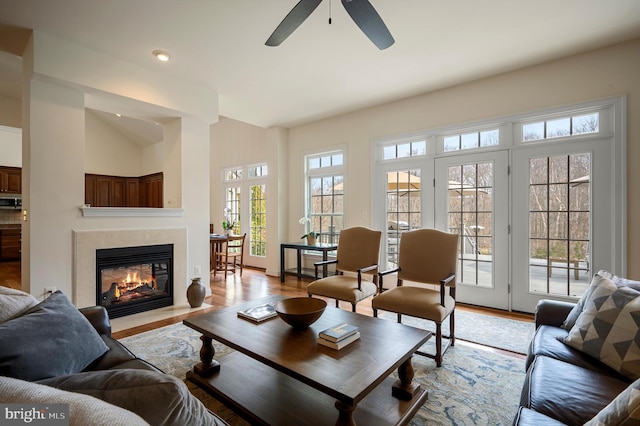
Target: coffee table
<point>281,376</point>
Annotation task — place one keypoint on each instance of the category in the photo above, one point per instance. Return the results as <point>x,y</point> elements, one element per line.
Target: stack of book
<point>338,336</point>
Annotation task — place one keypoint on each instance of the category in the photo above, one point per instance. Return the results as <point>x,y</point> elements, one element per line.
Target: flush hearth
<point>134,279</point>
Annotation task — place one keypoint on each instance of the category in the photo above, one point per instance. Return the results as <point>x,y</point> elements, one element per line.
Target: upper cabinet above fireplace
<point>119,191</point>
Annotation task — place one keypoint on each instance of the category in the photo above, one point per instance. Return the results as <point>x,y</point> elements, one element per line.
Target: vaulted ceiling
<point>324,69</point>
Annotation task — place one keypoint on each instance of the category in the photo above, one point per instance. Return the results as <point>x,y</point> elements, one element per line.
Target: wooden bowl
<point>300,312</point>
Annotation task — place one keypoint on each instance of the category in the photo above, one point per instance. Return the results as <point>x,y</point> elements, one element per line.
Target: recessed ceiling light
<point>118,115</point>
<point>161,55</point>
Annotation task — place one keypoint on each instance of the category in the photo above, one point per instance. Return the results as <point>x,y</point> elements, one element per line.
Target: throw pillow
<point>51,339</point>
<point>14,302</point>
<point>160,399</point>
<point>622,411</point>
<point>608,328</point>
<point>570,321</point>
<point>83,409</point>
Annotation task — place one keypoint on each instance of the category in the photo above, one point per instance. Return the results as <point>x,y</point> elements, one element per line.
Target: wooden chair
<point>426,256</point>
<point>231,255</point>
<point>358,253</point>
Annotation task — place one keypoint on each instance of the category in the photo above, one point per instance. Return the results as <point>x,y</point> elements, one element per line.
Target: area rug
<point>488,330</point>
<point>473,386</point>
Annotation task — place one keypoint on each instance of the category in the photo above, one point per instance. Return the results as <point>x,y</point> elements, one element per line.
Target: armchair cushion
<point>51,339</point>
<point>416,302</point>
<point>342,287</point>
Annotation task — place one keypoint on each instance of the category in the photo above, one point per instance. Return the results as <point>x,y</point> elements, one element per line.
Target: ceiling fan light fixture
<point>161,55</point>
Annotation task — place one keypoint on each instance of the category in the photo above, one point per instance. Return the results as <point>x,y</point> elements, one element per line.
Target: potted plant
<point>311,236</point>
<point>227,223</point>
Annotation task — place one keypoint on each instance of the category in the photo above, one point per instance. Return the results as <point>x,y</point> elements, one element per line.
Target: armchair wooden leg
<point>337,304</point>
<point>353,307</point>
<point>452,328</point>
<point>438,356</point>
<point>375,313</point>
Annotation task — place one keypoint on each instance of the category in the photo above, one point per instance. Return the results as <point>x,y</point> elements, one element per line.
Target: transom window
<point>471,140</point>
<point>258,171</point>
<point>233,174</point>
<point>560,127</point>
<point>404,150</point>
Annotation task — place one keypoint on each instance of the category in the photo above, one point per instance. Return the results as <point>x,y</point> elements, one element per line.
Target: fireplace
<point>130,280</point>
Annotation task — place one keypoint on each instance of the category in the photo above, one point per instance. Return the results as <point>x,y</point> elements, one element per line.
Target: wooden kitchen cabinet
<point>119,191</point>
<point>10,244</point>
<point>10,180</point>
<point>132,186</point>
<point>151,190</point>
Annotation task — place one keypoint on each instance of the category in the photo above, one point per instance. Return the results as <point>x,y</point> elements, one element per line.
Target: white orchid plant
<point>227,223</point>
<point>304,221</point>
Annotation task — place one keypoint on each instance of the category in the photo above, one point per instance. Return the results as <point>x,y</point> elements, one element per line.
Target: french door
<point>471,195</point>
<point>561,235</point>
<point>538,202</point>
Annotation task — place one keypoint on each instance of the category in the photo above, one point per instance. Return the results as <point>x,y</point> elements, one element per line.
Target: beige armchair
<point>426,256</point>
<point>358,252</point>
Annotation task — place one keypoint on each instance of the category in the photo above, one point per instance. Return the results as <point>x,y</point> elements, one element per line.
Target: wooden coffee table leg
<point>345,414</point>
<point>207,364</point>
<point>404,388</point>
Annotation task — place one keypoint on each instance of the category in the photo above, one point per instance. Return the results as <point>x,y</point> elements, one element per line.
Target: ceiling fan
<point>361,11</point>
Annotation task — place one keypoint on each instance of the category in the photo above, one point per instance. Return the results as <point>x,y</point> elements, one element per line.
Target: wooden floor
<point>10,274</point>
<point>254,284</point>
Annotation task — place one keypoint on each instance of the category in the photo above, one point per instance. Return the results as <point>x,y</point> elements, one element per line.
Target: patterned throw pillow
<point>570,321</point>
<point>622,411</point>
<point>608,328</point>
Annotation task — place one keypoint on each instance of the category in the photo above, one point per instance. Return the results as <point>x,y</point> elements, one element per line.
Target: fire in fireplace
<point>134,279</point>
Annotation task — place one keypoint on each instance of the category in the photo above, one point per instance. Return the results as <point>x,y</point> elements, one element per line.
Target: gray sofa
<point>565,385</point>
<point>52,352</point>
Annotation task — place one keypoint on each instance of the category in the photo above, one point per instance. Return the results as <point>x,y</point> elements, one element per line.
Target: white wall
<point>603,73</point>
<point>10,146</point>
<point>108,151</point>
<point>10,112</point>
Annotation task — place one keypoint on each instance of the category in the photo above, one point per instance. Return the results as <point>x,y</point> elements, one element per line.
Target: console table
<point>299,247</point>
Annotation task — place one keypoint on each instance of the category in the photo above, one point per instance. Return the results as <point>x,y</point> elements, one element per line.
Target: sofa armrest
<point>99,319</point>
<point>552,312</point>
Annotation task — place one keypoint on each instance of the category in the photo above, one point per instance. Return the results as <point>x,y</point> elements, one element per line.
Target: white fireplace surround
<point>87,242</point>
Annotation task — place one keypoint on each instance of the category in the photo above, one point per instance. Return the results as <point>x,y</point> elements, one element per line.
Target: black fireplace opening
<point>130,280</point>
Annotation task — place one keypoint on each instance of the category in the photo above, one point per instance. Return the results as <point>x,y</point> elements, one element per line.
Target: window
<point>559,219</point>
<point>325,195</point>
<point>404,150</point>
<point>248,180</point>
<point>470,214</point>
<point>561,127</point>
<point>403,209</point>
<point>472,140</point>
<point>258,235</point>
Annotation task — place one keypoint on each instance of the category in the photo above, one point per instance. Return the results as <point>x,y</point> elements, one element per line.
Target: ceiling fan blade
<point>297,16</point>
<point>371,24</point>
